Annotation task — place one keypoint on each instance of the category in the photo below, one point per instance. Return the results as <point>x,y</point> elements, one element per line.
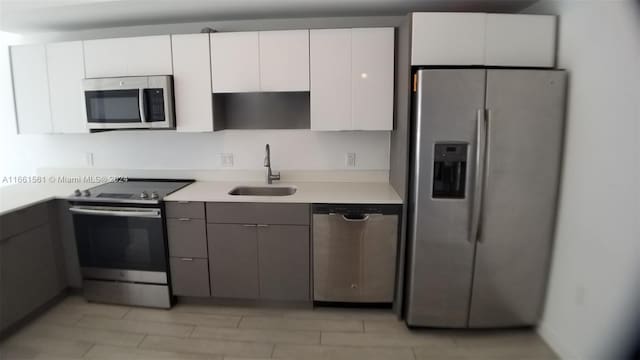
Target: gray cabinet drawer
<point>185,209</point>
<point>187,237</point>
<point>19,221</point>
<point>258,213</point>
<point>190,276</point>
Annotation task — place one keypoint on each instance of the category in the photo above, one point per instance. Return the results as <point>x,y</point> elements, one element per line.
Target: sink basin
<point>263,190</point>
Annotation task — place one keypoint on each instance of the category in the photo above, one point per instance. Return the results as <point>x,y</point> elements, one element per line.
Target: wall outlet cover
<point>226,160</point>
<point>350,160</point>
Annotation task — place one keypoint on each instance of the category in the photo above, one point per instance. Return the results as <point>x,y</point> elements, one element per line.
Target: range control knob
<point>144,195</point>
<point>154,195</point>
<point>86,193</point>
<point>77,192</point>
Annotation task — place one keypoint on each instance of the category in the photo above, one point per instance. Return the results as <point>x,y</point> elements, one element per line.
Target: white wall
<point>291,149</point>
<point>595,276</point>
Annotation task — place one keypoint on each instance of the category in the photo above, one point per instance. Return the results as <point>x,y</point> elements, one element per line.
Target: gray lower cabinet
<point>187,237</point>
<point>29,273</point>
<point>233,260</point>
<point>190,276</point>
<point>283,262</point>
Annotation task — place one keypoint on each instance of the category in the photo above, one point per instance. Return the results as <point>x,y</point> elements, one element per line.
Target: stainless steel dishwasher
<point>354,252</point>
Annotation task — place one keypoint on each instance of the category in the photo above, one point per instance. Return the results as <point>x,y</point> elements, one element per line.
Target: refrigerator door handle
<point>476,203</point>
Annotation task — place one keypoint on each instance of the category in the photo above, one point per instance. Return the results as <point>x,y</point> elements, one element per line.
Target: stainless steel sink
<point>263,190</point>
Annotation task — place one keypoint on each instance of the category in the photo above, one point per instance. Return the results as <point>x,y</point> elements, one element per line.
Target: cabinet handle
<point>263,225</point>
<point>184,219</point>
<point>249,225</point>
<point>186,259</point>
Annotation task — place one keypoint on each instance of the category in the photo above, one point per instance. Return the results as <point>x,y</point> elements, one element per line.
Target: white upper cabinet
<point>284,60</point>
<point>352,79</point>
<point>192,83</point>
<point>447,39</point>
<point>372,58</point>
<point>31,89</point>
<point>520,40</point>
<point>235,62</point>
<point>260,61</point>
<point>330,79</point>
<point>483,39</point>
<point>65,69</point>
<point>136,56</point>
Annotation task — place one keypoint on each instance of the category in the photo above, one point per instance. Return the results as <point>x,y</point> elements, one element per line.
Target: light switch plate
<point>350,160</point>
<point>226,160</point>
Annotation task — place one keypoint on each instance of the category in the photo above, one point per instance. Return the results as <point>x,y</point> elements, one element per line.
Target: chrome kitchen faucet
<point>267,164</point>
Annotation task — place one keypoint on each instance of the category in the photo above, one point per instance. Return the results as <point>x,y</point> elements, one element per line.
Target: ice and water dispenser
<point>449,171</point>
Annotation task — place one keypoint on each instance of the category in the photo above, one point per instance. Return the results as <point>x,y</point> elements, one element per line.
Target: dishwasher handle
<point>353,217</point>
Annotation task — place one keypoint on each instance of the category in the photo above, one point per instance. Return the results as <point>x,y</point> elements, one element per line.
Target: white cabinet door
<point>448,39</point>
<point>192,82</point>
<point>284,60</point>
<point>372,78</point>
<point>235,62</point>
<point>136,56</point>
<point>330,71</point>
<point>31,89</point>
<point>520,40</point>
<point>66,70</point>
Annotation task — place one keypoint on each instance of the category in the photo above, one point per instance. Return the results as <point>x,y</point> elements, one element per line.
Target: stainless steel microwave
<point>136,102</point>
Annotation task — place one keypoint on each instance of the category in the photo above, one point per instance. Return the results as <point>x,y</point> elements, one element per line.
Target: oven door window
<point>113,106</point>
<point>131,243</point>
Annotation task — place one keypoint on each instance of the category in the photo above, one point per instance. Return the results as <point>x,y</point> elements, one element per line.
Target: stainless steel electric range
<point>120,231</point>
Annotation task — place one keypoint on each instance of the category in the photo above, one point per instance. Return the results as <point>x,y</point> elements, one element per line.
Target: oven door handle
<point>144,213</point>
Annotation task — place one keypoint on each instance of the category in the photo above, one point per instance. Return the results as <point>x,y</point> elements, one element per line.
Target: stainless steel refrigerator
<point>485,165</point>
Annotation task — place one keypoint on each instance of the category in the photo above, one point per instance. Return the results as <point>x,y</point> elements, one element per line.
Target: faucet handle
<point>276,176</point>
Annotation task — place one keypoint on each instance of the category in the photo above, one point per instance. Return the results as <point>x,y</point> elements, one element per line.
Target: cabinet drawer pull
<point>184,219</point>
<point>263,225</point>
<point>249,225</point>
<point>186,259</point>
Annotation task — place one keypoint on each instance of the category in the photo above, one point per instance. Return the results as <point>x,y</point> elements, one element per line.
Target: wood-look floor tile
<point>229,310</point>
<point>26,346</point>
<point>481,353</point>
<point>82,307</point>
<point>332,313</point>
<point>83,334</point>
<point>385,326</point>
<point>321,352</point>
<point>174,317</point>
<point>135,326</point>
<point>284,323</point>
<point>60,317</point>
<point>257,335</point>
<point>385,339</point>
<point>207,346</point>
<point>107,352</point>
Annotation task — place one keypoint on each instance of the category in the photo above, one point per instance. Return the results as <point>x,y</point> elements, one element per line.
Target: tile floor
<point>75,329</point>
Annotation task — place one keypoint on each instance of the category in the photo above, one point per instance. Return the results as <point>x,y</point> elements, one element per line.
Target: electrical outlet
<point>226,160</point>
<point>350,160</point>
<point>89,159</point>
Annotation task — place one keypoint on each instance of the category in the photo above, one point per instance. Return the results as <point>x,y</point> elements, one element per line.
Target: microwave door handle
<point>144,213</point>
<point>142,105</point>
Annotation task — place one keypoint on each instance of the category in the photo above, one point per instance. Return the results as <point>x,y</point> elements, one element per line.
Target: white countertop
<point>307,192</point>
<point>20,196</point>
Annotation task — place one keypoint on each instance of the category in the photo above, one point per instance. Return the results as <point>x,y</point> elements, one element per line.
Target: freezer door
<point>525,112</point>
<point>446,111</point>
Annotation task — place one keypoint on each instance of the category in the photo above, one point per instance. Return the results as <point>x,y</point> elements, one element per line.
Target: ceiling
<point>24,16</point>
